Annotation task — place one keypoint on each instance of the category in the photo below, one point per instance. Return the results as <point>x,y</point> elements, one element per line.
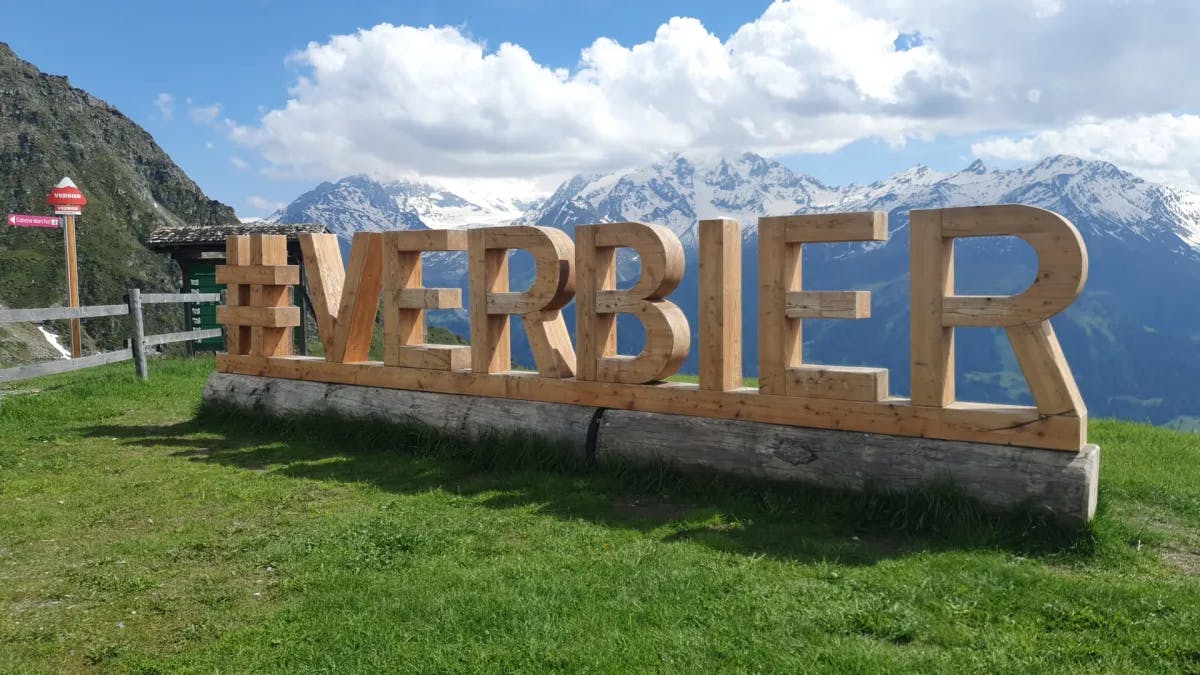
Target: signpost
<point>25,220</point>
<point>68,201</point>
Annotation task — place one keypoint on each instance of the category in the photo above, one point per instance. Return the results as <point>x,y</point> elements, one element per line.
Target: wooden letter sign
<point>387,267</point>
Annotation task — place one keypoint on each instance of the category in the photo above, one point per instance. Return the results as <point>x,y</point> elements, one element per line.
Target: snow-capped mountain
<point>679,191</point>
<point>361,204</point>
<point>1133,343</point>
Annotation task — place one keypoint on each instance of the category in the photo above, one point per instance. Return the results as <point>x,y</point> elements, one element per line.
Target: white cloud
<point>264,205</point>
<point>165,104</point>
<point>203,114</point>
<point>394,99</point>
<point>1163,147</point>
<point>239,163</point>
<point>807,75</point>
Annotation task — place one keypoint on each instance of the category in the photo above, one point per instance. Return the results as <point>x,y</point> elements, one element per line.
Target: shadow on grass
<point>793,522</point>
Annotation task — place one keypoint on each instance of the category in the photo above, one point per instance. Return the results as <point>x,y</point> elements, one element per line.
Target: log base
<point>1064,484</point>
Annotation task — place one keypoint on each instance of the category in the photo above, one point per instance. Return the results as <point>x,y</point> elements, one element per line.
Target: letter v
<point>346,327</point>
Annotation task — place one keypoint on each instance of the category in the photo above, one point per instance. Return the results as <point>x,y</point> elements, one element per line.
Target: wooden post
<point>137,342</point>
<point>720,304</point>
<point>72,283</point>
<point>302,301</point>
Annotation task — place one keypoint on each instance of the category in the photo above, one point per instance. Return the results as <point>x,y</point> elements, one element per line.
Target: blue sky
<point>855,111</point>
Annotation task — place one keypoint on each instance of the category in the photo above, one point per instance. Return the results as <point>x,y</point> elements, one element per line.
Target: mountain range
<point>1130,338</point>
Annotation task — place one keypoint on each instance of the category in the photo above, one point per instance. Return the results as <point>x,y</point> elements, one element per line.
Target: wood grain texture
<point>780,340</point>
<point>326,277</point>
<point>271,275</point>
<point>667,335</point>
<point>237,253</point>
<point>538,306</point>
<point>405,300</point>
<point>1046,371</point>
<point>831,227</point>
<point>270,317</point>
<point>931,278</point>
<point>937,310</point>
<point>977,422</point>
<point>1064,484</point>
<point>359,306</point>
<point>1062,264</point>
<point>851,383</point>
<point>828,305</point>
<point>720,304</point>
<point>491,335</point>
<point>472,417</point>
<point>780,285</point>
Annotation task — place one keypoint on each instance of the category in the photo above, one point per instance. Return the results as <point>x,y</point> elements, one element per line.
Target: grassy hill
<point>140,535</point>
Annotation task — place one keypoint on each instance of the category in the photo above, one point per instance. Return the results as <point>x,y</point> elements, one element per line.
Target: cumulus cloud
<point>239,163</point>
<point>165,104</point>
<point>806,76</point>
<point>1163,147</point>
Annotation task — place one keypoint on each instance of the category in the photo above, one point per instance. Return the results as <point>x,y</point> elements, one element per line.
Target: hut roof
<point>196,235</point>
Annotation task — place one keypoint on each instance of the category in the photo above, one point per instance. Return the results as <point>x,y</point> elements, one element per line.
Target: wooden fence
<point>138,340</point>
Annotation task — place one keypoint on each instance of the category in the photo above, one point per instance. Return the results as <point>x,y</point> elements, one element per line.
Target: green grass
<point>139,534</point>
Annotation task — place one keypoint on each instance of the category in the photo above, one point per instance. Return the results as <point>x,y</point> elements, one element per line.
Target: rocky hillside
<point>49,129</point>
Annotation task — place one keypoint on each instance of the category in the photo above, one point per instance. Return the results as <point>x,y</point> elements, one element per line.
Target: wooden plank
<point>1050,381</point>
<point>851,383</point>
<point>360,296</point>
<point>720,304</point>
<point>271,275</point>
<point>491,337</point>
<point>779,339</point>
<point>1061,484</point>
<point>183,336</point>
<point>830,227</point>
<point>170,298</point>
<point>828,305</point>
<point>931,278</point>
<point>63,365</point>
<point>983,423</point>
<point>237,253</point>
<point>55,313</point>
<point>432,357</point>
<point>271,317</point>
<point>550,343</point>
<point>326,277</point>
<point>595,332</point>
<point>137,338</point>
<point>427,298</point>
<point>419,241</point>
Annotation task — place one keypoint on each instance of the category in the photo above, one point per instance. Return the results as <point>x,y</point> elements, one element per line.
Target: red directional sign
<point>66,198</point>
<point>23,220</point>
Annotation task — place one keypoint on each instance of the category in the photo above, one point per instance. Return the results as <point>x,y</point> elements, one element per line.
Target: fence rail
<point>160,298</point>
<point>138,342</point>
<point>55,313</point>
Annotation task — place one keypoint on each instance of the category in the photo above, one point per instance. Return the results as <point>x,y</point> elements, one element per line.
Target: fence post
<point>137,342</point>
